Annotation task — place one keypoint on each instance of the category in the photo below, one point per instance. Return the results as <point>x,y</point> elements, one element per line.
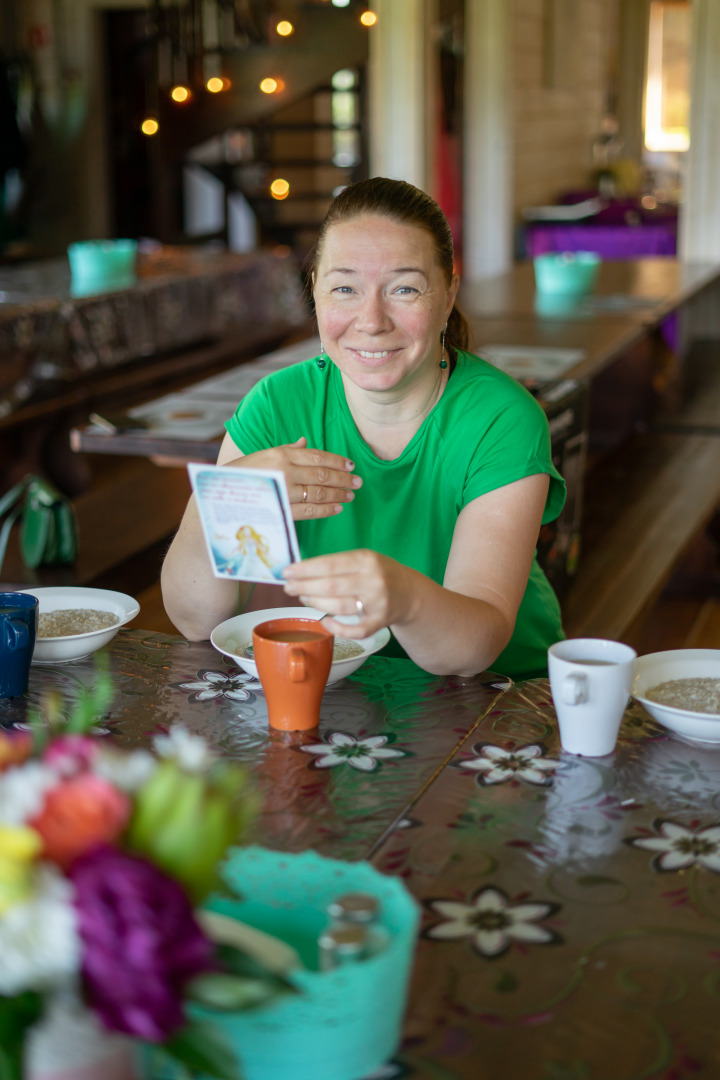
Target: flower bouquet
<point>105,856</point>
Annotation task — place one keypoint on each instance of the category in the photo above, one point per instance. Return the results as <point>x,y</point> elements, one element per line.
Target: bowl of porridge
<point>233,638</point>
<point>74,622</point>
<point>680,689</point>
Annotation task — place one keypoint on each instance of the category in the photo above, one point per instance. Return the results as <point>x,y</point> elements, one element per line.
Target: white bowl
<point>233,636</point>
<point>656,668</point>
<point>60,650</point>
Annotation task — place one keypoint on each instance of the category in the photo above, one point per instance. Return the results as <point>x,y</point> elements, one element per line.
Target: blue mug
<point>18,630</point>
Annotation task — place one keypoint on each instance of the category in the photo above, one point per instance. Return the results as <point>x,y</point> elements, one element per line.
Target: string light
<point>280,189</point>
<point>180,94</point>
<point>368,18</point>
<point>269,85</point>
<point>149,126</point>
<point>285,28</point>
<point>215,84</point>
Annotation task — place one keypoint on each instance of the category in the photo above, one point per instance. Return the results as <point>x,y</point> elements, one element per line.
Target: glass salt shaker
<point>342,944</point>
<point>360,909</point>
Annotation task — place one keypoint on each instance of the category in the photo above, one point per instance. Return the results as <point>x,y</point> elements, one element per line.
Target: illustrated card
<point>247,521</point>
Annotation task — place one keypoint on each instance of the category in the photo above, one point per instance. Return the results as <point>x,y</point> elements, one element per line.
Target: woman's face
<point>381,301</point>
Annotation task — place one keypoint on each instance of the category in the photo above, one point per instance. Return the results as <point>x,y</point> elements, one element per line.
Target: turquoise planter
<point>343,1024</point>
<point>101,265</point>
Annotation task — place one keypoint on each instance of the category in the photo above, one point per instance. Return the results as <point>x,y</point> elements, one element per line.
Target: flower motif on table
<point>339,748</point>
<point>233,684</point>
<point>679,847</point>
<point>494,765</point>
<point>492,922</point>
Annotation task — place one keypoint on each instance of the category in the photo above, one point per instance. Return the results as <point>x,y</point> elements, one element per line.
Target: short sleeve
<point>251,426</point>
<point>515,444</point>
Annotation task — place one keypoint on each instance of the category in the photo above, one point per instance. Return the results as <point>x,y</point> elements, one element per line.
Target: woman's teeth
<point>372,355</point>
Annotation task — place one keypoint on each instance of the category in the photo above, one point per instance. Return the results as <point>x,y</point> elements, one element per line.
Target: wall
<point>562,74</point>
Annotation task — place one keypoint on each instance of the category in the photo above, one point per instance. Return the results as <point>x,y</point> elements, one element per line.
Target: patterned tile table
<point>571,923</point>
<point>572,906</point>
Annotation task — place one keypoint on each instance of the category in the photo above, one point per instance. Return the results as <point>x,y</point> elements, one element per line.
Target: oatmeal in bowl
<point>74,622</point>
<point>680,688</point>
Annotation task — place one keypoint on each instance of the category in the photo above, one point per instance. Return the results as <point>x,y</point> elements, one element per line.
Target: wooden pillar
<point>700,218</point>
<point>402,91</point>
<point>634,18</point>
<point>487,137</point>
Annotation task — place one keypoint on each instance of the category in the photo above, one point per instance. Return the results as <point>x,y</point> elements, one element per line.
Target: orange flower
<point>15,748</point>
<point>78,814</point>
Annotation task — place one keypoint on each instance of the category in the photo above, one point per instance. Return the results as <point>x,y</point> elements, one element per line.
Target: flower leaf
<point>203,1048</point>
<point>17,1015</point>
<point>235,993</point>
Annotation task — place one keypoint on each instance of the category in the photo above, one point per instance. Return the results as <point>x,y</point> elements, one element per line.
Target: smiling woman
<point>418,474</point>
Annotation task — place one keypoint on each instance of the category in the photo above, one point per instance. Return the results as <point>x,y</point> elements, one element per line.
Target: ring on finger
<point>359,607</point>
<point>304,494</point>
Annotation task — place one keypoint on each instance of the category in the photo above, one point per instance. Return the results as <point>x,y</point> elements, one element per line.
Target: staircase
<point>309,133</point>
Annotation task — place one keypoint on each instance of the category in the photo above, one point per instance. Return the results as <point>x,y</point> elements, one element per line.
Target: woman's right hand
<point>319,483</point>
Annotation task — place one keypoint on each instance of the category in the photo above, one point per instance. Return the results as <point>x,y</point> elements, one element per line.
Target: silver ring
<point>359,606</point>
<point>304,494</point>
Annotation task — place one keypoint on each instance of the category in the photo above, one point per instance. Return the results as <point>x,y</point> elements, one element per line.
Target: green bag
<point>48,530</point>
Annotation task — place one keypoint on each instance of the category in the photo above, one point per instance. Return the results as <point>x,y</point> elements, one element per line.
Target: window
<point>667,93</point>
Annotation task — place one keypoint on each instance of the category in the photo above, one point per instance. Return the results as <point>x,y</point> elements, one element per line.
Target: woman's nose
<point>372,316</point>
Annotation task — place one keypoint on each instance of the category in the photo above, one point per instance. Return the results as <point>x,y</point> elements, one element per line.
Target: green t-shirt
<point>486,431</point>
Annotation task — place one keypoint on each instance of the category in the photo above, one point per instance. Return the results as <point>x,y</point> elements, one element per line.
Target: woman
<point>418,474</point>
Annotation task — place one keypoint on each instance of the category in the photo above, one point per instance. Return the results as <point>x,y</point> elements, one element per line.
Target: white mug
<point>590,680</point>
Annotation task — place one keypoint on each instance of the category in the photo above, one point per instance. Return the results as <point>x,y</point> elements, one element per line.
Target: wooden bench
<point>643,508</point>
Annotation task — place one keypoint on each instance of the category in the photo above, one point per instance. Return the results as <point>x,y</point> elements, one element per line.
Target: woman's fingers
<point>319,483</point>
<point>356,583</point>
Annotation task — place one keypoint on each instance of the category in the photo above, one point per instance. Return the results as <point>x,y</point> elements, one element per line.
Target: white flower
<point>362,754</point>
<point>190,751</point>
<point>492,922</point>
<point>126,771</point>
<point>218,684</point>
<point>22,791</point>
<point>680,847</point>
<point>39,942</point>
<point>528,763</point>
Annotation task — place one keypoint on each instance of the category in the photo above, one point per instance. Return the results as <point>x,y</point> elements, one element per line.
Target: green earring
<point>321,361</point>
<point>443,361</point>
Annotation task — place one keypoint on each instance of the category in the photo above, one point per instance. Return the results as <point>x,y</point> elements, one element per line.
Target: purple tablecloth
<point>609,241</point>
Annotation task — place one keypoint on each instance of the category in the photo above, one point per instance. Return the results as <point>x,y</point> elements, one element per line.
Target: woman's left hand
<point>373,587</point>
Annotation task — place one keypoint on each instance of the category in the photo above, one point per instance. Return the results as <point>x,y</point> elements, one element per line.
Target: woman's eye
<point>405,290</point>
<point>344,290</point>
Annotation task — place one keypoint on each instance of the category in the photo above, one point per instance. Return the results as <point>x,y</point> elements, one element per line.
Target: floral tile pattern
<point>493,923</point>
<point>679,847</point>
<point>340,748</point>
<point>494,765</point>
<point>235,685</point>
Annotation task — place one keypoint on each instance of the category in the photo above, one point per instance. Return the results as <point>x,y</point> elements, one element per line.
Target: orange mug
<point>293,658</point>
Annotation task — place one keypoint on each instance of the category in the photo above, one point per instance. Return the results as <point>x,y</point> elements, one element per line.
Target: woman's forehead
<point>378,235</point>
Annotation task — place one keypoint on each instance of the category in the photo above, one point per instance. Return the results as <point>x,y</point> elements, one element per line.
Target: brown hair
<point>401,201</point>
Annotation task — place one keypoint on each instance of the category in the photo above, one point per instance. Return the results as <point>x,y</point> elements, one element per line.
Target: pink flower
<point>78,814</point>
<point>141,943</point>
<point>71,754</point>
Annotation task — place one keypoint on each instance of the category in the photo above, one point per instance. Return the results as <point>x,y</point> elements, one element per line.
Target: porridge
<point>698,695</point>
<point>70,621</point>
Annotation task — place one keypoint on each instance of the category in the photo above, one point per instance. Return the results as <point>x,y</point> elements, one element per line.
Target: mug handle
<point>18,635</point>
<point>296,664</point>
<point>574,689</point>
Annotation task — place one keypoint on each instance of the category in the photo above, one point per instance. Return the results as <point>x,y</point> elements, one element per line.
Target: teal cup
<point>18,630</point>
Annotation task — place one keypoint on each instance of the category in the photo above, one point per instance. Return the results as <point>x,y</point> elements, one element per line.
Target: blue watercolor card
<point>247,521</point>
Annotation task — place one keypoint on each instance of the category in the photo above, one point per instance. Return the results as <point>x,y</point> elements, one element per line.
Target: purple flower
<point>140,941</point>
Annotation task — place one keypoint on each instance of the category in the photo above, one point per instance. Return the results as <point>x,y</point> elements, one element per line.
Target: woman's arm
<point>319,484</point>
<point>461,626</point>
